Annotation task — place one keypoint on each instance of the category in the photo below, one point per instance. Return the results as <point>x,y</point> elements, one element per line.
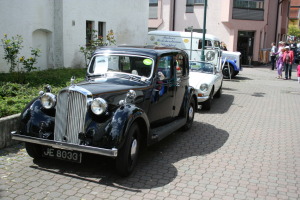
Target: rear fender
<point>233,64</point>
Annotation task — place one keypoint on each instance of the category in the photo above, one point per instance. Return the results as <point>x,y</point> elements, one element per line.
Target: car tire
<point>225,71</point>
<point>190,115</point>
<point>206,105</point>
<point>219,92</point>
<point>128,154</point>
<point>34,150</point>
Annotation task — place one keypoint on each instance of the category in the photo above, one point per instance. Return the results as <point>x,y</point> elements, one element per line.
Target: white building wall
<point>58,27</point>
<point>127,18</point>
<point>23,18</point>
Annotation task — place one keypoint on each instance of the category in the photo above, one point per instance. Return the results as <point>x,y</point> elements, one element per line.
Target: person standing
<point>288,58</point>
<point>280,62</point>
<point>298,73</point>
<point>223,46</point>
<point>280,47</point>
<point>273,54</point>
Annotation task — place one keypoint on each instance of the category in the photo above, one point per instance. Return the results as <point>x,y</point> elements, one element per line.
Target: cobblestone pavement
<point>246,147</point>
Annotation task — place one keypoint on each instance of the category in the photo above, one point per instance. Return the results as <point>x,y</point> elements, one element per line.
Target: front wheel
<point>190,115</point>
<point>206,105</point>
<point>219,92</point>
<point>34,150</point>
<point>128,154</point>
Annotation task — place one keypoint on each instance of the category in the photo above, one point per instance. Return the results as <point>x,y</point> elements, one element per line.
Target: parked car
<point>297,55</point>
<point>207,80</point>
<point>192,44</point>
<point>132,97</point>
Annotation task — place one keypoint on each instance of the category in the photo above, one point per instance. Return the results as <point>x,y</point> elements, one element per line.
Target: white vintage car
<point>207,79</point>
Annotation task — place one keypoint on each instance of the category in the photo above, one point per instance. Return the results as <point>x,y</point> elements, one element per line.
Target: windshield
<point>201,67</point>
<point>135,65</point>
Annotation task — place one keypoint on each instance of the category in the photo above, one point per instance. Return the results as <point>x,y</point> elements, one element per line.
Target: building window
<point>89,31</point>
<point>248,10</point>
<point>153,9</point>
<point>101,26</point>
<point>249,4</point>
<point>189,6</point>
<point>199,2</point>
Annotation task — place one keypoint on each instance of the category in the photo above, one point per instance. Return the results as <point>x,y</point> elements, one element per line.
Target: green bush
<point>15,95</point>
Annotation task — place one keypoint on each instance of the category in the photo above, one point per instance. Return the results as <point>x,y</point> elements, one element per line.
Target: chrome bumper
<point>202,99</point>
<point>62,145</point>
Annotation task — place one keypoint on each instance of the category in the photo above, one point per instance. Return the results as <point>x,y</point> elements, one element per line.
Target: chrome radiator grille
<point>70,115</point>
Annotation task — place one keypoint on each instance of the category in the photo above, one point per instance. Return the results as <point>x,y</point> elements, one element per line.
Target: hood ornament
<point>72,81</point>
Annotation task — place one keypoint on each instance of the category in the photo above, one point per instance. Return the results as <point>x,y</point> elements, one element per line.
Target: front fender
<point>123,118</point>
<point>34,120</point>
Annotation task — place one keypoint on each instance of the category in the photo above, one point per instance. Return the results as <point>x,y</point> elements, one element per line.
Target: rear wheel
<point>190,115</point>
<point>34,150</point>
<point>228,71</point>
<point>128,154</point>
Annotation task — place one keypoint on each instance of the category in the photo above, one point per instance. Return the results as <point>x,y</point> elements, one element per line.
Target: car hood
<point>103,88</point>
<point>110,91</point>
<point>197,78</point>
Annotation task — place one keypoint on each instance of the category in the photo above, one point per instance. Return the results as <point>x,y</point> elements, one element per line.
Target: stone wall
<point>8,124</point>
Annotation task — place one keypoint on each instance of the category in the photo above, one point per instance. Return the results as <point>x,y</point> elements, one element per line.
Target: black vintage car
<point>132,97</point>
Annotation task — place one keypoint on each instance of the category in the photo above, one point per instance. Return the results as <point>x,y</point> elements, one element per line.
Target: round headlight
<point>99,106</point>
<point>48,100</point>
<point>204,87</point>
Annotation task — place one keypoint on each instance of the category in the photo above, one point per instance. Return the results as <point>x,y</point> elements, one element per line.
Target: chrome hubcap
<point>133,149</point>
<point>191,112</point>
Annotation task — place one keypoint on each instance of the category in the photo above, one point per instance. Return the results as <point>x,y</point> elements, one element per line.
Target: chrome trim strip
<point>62,145</point>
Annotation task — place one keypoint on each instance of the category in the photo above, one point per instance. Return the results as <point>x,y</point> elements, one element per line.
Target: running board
<point>161,132</point>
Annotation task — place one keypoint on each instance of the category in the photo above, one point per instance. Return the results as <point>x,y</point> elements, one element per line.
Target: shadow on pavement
<point>238,79</point>
<point>219,105</point>
<point>155,166</point>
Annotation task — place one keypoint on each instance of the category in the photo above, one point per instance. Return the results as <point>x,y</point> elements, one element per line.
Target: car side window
<point>164,66</point>
<point>208,43</point>
<point>180,63</point>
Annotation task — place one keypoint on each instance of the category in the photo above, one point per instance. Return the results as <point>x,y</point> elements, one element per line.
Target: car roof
<point>183,34</point>
<point>149,50</point>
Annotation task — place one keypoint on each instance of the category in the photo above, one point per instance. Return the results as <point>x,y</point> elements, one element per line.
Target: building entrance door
<point>245,46</point>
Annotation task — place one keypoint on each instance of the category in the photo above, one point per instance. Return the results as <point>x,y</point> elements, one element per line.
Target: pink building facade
<point>247,26</point>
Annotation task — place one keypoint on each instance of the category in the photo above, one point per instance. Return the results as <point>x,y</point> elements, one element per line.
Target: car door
<point>181,81</point>
<point>218,77</point>
<point>163,94</point>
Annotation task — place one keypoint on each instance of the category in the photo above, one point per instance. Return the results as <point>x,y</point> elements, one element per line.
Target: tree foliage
<point>95,42</point>
<point>294,31</point>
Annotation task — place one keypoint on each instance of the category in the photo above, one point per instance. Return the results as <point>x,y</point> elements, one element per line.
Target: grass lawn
<point>16,90</point>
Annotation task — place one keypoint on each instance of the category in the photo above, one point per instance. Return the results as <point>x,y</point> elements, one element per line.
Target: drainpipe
<point>174,6</point>
<point>204,31</point>
<point>278,5</point>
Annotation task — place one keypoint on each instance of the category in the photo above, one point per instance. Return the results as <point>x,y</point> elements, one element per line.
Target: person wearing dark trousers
<point>288,58</point>
<point>273,55</point>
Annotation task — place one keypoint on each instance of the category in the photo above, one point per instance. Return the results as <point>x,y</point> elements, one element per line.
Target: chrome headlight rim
<point>48,100</point>
<point>203,87</point>
<point>99,106</point>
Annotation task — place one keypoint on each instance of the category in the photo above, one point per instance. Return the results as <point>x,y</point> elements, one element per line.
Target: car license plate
<point>62,154</point>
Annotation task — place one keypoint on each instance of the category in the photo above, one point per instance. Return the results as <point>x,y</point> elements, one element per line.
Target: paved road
<point>246,147</point>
